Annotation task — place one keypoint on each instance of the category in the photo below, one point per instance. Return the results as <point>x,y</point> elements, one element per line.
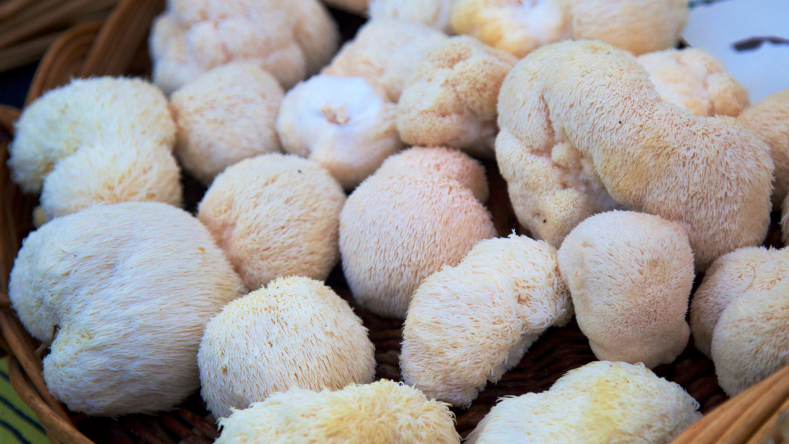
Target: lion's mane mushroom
<point>581,121</point>
<point>289,39</point>
<point>519,27</point>
<point>225,116</point>
<point>446,161</point>
<point>383,411</point>
<point>469,324</point>
<point>275,215</point>
<point>386,53</point>
<point>396,230</point>
<point>296,332</point>
<point>123,292</point>
<point>630,276</point>
<point>695,80</point>
<point>599,403</point>
<point>740,316</point>
<point>342,123</point>
<point>435,13</point>
<point>103,140</point>
<point>769,118</point>
<point>452,98</point>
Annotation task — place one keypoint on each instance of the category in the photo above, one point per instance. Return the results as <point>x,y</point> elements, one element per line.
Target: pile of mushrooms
<point>631,166</point>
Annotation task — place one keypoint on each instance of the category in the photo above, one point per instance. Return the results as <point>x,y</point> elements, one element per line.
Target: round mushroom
<point>123,293</point>
<point>769,119</point>
<point>695,80</point>
<point>225,116</point>
<point>469,324</point>
<point>291,40</point>
<point>601,402</point>
<point>382,411</point>
<point>275,215</point>
<point>519,27</point>
<point>446,161</point>
<point>565,158</point>
<point>96,141</point>
<point>451,100</point>
<point>342,123</point>
<point>296,332</point>
<point>435,13</point>
<point>630,276</point>
<point>396,230</point>
<point>386,53</point>
<point>740,316</point>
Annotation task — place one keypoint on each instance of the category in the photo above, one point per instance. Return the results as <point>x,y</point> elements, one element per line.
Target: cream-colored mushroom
<point>275,215</point>
<point>740,316</point>
<point>225,116</point>
<point>294,333</point>
<point>123,293</point>
<point>290,40</point>
<point>96,141</point>
<point>599,403</point>
<point>446,161</point>
<point>467,325</point>
<point>630,276</point>
<point>697,81</point>
<point>342,123</point>
<point>769,119</point>
<point>582,129</point>
<point>452,98</point>
<point>435,13</point>
<point>383,411</point>
<point>519,27</point>
<point>396,230</point>
<point>386,53</point>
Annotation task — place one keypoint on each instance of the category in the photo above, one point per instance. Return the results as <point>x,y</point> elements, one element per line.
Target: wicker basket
<point>118,47</point>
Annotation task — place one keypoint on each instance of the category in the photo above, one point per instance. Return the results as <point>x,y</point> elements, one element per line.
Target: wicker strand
<point>63,60</point>
<point>769,430</point>
<point>15,335</point>
<point>121,35</point>
<point>57,428</point>
<point>11,7</point>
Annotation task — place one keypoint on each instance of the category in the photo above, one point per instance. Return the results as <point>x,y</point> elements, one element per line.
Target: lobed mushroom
<point>275,215</point>
<point>769,119</point>
<point>519,27</point>
<point>386,53</point>
<point>630,276</point>
<point>341,123</point>
<point>290,40</point>
<point>396,230</point>
<point>446,161</point>
<point>96,141</point>
<point>599,403</point>
<point>740,316</point>
<point>224,116</point>
<point>122,293</point>
<point>296,332</point>
<point>452,98</point>
<point>383,411</point>
<point>435,13</point>
<point>695,80</point>
<point>469,324</point>
<point>583,130</point>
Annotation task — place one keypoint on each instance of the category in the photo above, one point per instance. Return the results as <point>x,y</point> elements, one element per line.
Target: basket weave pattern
<point>118,47</point>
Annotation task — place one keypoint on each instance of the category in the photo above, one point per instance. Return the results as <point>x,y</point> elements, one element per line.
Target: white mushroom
<point>123,292</point>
